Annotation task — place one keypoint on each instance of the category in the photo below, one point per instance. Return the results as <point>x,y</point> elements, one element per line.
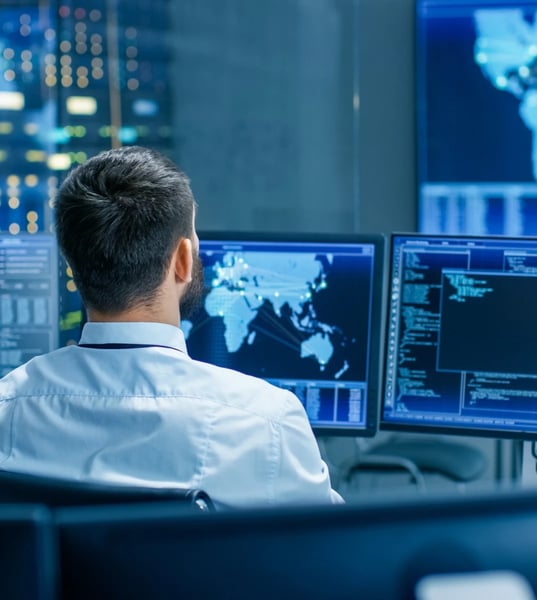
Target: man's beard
<point>191,300</point>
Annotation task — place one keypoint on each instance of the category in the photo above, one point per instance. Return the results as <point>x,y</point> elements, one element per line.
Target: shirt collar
<point>159,334</point>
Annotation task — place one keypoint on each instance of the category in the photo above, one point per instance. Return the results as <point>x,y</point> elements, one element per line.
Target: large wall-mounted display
<point>477,116</point>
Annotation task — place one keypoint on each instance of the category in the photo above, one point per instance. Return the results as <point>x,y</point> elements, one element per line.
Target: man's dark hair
<point>119,217</point>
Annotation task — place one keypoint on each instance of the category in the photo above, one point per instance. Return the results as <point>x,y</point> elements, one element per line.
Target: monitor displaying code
<point>461,352</point>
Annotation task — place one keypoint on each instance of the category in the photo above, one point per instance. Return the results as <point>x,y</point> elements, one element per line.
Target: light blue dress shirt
<point>153,416</point>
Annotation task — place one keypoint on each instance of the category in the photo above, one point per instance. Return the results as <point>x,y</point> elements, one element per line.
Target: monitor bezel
<point>426,428</point>
<point>374,374</point>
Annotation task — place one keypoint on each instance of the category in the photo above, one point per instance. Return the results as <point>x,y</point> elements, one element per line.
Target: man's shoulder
<point>243,391</point>
<point>65,372</point>
<point>21,378</point>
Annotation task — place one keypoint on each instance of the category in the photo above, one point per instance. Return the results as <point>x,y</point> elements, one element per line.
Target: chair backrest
<point>57,493</point>
<point>28,553</point>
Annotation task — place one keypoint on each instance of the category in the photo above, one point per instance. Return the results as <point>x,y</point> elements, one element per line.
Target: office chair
<point>417,457</point>
<point>57,493</point>
<point>457,462</point>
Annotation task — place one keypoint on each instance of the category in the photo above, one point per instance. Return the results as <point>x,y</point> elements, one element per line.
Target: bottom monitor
<point>377,551</point>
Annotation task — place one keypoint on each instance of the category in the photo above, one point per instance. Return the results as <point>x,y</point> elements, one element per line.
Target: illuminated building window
<point>11,100</point>
<point>59,161</point>
<point>35,156</point>
<point>31,128</point>
<point>81,105</point>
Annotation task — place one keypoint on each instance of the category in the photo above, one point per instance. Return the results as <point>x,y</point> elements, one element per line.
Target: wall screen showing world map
<point>477,116</point>
<point>301,313</point>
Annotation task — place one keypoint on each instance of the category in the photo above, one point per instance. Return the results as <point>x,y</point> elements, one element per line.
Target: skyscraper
<point>75,80</point>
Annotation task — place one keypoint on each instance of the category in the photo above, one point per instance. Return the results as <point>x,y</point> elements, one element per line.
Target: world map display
<point>476,89</point>
<point>291,314</point>
<point>477,117</point>
<point>506,51</point>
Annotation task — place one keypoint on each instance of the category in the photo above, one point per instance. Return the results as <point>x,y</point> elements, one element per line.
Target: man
<point>127,404</point>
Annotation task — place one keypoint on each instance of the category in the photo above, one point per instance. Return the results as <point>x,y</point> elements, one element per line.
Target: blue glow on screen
<point>477,117</point>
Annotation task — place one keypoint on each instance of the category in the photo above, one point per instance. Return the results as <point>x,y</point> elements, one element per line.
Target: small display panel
<point>29,305</point>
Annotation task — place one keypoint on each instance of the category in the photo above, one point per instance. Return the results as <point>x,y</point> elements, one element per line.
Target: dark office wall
<point>386,126</point>
<point>296,114</point>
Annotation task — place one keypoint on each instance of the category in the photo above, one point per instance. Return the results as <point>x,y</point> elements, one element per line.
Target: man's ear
<point>184,260</point>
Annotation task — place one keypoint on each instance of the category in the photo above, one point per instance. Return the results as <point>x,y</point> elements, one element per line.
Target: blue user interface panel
<point>477,116</point>
<point>462,336</point>
<point>300,312</point>
<point>29,304</point>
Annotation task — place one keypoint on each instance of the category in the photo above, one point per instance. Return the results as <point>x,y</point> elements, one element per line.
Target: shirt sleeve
<point>302,476</point>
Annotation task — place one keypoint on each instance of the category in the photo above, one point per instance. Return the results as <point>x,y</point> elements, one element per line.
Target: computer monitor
<point>302,312</point>
<point>28,553</point>
<point>29,297</point>
<point>376,550</point>
<point>476,117</point>
<point>461,336</point>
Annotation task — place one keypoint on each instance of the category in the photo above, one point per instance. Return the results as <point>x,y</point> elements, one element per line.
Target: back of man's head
<point>119,217</point>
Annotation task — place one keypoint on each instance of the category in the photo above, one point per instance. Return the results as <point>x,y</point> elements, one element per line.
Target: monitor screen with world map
<point>300,311</point>
<point>476,72</point>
